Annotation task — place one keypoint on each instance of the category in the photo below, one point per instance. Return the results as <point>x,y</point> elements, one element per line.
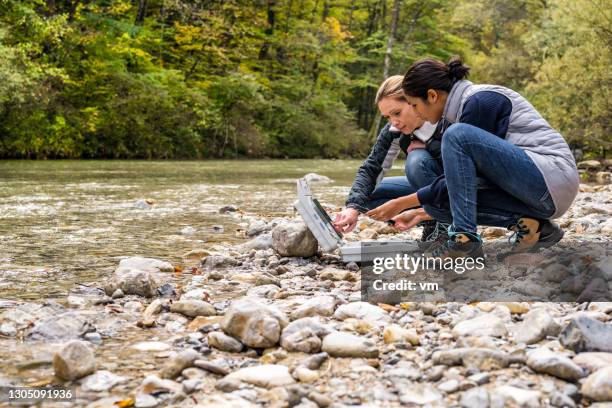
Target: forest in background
<point>277,78</point>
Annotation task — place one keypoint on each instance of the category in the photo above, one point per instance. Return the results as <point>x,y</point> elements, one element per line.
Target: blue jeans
<point>421,170</point>
<point>516,187</point>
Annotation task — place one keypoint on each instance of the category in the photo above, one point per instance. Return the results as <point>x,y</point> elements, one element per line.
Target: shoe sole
<point>549,240</point>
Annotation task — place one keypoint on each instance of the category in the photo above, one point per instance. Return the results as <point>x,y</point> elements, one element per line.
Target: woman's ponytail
<point>430,73</point>
<point>456,70</point>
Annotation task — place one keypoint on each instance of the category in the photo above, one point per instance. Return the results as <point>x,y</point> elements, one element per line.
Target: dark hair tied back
<point>430,73</point>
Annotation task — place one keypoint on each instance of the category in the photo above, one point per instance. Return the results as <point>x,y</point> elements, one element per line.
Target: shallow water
<point>64,224</point>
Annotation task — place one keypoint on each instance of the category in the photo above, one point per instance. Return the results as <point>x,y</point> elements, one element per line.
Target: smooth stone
<point>475,398</point>
<point>395,334</point>
<point>598,386</point>
<point>260,242</point>
<point>153,384</point>
<point>211,367</point>
<point>593,361</point>
<point>117,294</point>
<point>586,334</point>
<point>145,401</point>
<point>133,307</point>
<point>449,386</point>
<point>75,360</point>
<point>75,302</point>
<point>316,306</point>
<point>218,261</point>
<point>507,395</point>
<point>305,375</point>
<point>419,394</point>
<point>482,358</point>
<point>178,363</point>
<point>201,321</point>
<point>558,399</point>
<point>151,346</point>
<point>343,344</point>
<point>223,342</point>
<point>266,376</point>
<point>315,361</point>
<point>304,335</point>
<point>335,274</point>
<point>484,325</point>
<point>62,327</point>
<point>294,239</point>
<point>363,311</point>
<point>253,323</point>
<point>132,282</point>
<point>101,380</point>
<point>193,308</point>
<point>543,360</point>
<point>146,264</point>
<point>536,325</point>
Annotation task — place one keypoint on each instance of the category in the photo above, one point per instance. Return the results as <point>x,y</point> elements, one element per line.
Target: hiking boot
<point>434,233</point>
<point>531,234</point>
<point>460,245</point>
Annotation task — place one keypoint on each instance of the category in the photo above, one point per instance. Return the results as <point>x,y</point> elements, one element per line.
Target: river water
<point>65,224</point>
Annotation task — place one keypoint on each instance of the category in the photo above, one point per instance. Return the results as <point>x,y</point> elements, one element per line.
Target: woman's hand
<point>346,220</point>
<point>410,218</point>
<point>386,211</point>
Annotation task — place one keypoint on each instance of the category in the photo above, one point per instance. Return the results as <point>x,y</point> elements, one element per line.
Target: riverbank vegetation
<point>276,78</point>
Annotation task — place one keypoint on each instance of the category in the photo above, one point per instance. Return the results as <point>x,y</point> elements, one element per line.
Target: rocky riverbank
<point>271,322</point>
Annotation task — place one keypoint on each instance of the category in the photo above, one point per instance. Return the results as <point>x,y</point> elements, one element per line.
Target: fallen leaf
<point>388,308</point>
<point>125,403</point>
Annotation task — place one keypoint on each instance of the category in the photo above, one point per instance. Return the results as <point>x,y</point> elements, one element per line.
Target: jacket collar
<point>453,102</point>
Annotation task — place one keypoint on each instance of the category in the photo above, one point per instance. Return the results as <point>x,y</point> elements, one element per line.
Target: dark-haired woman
<point>497,135</point>
<point>407,132</point>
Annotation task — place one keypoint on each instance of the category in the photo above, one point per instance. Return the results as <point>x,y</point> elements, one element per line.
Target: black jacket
<point>381,158</point>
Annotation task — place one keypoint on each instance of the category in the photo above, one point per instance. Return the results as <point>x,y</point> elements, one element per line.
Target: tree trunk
<point>387,61</point>
<point>263,52</point>
<point>142,11</point>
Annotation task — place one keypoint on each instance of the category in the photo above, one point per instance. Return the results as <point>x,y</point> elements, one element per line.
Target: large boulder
<point>293,238</point>
<point>253,323</point>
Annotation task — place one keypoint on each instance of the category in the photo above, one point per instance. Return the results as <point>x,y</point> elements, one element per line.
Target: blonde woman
<point>406,131</point>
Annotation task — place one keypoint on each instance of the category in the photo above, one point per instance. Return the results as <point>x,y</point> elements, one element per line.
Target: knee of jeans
<point>455,134</point>
<point>417,164</point>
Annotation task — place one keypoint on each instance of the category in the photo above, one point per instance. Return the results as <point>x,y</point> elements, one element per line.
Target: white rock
<point>151,346</point>
<point>305,375</point>
<point>363,311</point>
<point>598,386</point>
<point>593,361</point>
<point>342,344</point>
<point>146,264</point>
<point>294,239</point>
<point>419,394</point>
<point>75,360</point>
<point>484,325</point>
<point>266,376</point>
<point>318,305</point>
<point>536,325</point>
<point>253,323</point>
<point>102,380</point>
<point>506,395</point>
<point>543,360</point>
<point>395,333</point>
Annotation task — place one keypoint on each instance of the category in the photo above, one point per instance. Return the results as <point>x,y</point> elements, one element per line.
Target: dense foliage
<point>276,78</point>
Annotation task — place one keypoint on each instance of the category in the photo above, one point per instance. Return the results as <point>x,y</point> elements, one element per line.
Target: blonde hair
<point>391,87</point>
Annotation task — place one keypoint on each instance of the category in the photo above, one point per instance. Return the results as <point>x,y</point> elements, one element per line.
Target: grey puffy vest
<point>528,130</point>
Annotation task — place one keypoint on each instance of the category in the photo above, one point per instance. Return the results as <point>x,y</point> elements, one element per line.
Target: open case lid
<point>316,218</point>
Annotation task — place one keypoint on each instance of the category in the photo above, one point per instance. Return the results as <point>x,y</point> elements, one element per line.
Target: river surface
<point>65,224</point>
